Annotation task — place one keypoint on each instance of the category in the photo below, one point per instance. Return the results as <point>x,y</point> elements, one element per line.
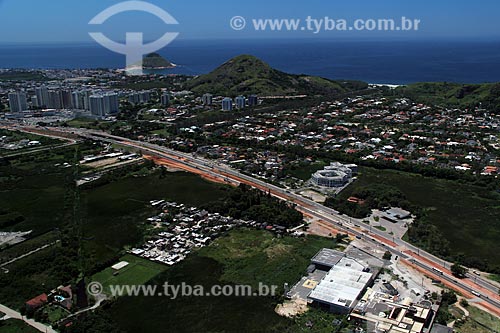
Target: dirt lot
<point>101,163</point>
<point>313,195</point>
<point>292,308</point>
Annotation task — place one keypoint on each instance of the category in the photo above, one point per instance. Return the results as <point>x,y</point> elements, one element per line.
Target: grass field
<point>479,322</point>
<point>16,326</point>
<point>35,190</point>
<point>27,246</point>
<point>95,124</point>
<point>139,271</point>
<point>466,215</point>
<point>304,172</point>
<point>252,256</point>
<point>242,257</point>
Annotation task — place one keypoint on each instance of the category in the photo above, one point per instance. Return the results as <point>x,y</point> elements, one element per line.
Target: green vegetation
<point>494,277</point>
<point>478,322</point>
<point>320,321</point>
<point>251,204</point>
<point>16,75</point>
<point>154,60</point>
<point>248,75</point>
<point>138,271</point>
<point>112,216</point>
<point>39,273</point>
<point>458,271</point>
<point>92,322</point>
<point>252,256</point>
<point>375,196</point>
<point>304,171</point>
<point>95,124</point>
<point>114,211</point>
<point>453,218</point>
<point>16,326</point>
<point>241,257</point>
<point>33,191</point>
<point>14,251</point>
<point>454,94</point>
<point>448,298</point>
<point>151,82</point>
<point>52,314</point>
<point>16,136</point>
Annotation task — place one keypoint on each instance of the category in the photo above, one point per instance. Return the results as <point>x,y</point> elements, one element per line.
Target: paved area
<point>304,287</point>
<point>365,254</point>
<point>16,315</point>
<point>398,229</point>
<point>11,238</point>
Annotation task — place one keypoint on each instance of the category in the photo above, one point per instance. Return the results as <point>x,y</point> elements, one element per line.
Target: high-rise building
<point>86,99</point>
<point>54,101</point>
<point>17,102</point>
<point>42,95</point>
<point>80,100</point>
<point>34,102</point>
<point>133,98</point>
<point>165,99</point>
<point>111,103</point>
<point>97,105</point>
<point>227,104</point>
<point>207,99</point>
<point>241,102</point>
<point>140,97</point>
<point>104,104</point>
<point>253,100</point>
<point>66,99</point>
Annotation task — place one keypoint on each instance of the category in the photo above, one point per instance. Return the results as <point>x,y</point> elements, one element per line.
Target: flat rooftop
<point>119,265</point>
<point>327,257</point>
<point>343,284</point>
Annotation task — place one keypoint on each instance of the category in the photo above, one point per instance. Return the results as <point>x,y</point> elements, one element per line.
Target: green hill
<point>247,74</point>
<point>154,60</point>
<point>454,94</point>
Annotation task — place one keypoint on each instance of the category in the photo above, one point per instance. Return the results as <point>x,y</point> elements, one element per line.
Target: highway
<point>477,285</point>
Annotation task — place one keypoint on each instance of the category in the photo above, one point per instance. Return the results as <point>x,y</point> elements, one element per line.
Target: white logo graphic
<point>238,23</point>
<point>134,48</point>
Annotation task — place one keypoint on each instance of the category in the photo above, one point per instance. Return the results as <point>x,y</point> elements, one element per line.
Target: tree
<point>464,303</point>
<point>458,271</point>
<point>387,255</point>
<point>339,238</point>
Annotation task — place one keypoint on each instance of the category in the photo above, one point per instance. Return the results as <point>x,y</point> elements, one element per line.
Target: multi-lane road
<point>476,285</point>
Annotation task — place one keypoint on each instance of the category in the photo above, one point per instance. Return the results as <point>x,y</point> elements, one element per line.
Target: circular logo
<point>94,288</point>
<point>238,23</point>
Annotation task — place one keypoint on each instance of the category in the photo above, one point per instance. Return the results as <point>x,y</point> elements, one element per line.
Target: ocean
<point>394,62</point>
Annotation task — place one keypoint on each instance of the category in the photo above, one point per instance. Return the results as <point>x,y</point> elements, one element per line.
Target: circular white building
<point>334,175</point>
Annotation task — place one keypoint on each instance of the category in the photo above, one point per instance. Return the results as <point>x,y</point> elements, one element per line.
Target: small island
<point>156,61</point>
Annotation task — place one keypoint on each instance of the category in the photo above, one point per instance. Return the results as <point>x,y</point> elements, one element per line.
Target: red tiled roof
<point>37,301</point>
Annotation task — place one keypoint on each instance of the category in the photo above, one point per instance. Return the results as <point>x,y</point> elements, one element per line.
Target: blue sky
<point>29,21</point>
